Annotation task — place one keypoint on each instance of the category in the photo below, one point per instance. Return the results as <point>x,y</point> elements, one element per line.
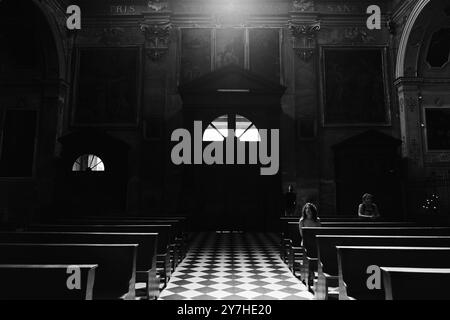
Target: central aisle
<point>234,266</point>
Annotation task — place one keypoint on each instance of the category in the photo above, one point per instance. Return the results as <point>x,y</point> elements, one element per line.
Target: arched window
<point>217,130</point>
<point>244,129</point>
<point>88,162</point>
<point>439,49</point>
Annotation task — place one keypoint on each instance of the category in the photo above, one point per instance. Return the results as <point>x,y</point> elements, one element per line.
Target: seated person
<point>368,209</point>
<point>290,202</point>
<point>309,217</point>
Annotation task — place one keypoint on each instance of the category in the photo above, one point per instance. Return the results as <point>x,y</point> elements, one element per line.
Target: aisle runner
<point>234,266</point>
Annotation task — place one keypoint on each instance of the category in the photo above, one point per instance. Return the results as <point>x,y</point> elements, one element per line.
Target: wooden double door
<point>232,197</point>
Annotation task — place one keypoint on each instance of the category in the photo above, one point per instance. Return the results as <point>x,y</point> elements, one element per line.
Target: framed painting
<point>230,47</point>
<point>437,130</point>
<point>107,86</point>
<point>354,86</point>
<point>196,47</point>
<point>264,47</point>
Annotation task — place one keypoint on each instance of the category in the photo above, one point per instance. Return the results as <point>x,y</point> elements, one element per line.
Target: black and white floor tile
<point>234,266</point>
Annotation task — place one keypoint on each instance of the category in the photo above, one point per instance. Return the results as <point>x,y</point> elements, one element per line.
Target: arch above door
<point>93,174</point>
<point>403,45</point>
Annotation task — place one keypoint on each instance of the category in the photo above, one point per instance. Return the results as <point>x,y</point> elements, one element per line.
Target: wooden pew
<point>146,268</point>
<point>45,282</point>
<point>292,247</point>
<point>285,232</point>
<point>310,246</point>
<point>328,272</point>
<point>355,224</point>
<point>288,233</point>
<point>296,252</point>
<point>353,264</point>
<point>338,220</point>
<point>165,239</point>
<point>285,220</point>
<point>184,218</point>
<point>416,283</point>
<point>180,245</point>
<point>184,221</point>
<point>116,273</point>
<point>177,224</point>
<point>326,218</point>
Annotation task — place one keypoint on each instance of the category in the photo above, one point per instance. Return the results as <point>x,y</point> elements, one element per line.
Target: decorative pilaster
<point>410,124</point>
<point>157,39</point>
<point>305,39</point>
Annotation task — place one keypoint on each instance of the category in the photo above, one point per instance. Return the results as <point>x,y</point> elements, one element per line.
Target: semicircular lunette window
<point>244,130</point>
<point>439,50</point>
<point>88,163</point>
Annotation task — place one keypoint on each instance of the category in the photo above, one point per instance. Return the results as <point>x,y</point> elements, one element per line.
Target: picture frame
<point>212,44</point>
<point>354,86</point>
<point>265,53</point>
<point>436,131</point>
<point>110,95</point>
<point>195,42</point>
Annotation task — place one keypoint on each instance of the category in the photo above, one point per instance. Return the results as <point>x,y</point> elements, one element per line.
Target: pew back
<point>165,232</point>
<point>45,282</point>
<point>116,272</point>
<point>177,226</point>
<point>146,251</point>
<point>326,218</point>
<point>309,234</point>
<point>183,221</point>
<point>327,253</point>
<point>292,230</point>
<point>355,280</point>
<point>416,283</point>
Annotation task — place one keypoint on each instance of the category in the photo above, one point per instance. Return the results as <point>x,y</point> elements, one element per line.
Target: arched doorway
<point>31,75</point>
<point>232,105</point>
<point>93,174</point>
<point>230,192</point>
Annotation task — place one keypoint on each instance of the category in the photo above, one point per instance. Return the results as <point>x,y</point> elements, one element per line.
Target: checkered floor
<point>234,266</point>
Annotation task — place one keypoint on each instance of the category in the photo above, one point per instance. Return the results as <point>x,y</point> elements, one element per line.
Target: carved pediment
<point>232,79</point>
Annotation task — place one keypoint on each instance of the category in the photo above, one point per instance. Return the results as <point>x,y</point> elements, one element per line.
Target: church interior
<point>225,149</point>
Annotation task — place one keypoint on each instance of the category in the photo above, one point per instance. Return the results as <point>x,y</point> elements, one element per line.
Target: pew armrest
<point>175,253</point>
<point>324,282</point>
<point>151,280</point>
<point>295,256</point>
<point>288,254</point>
<point>309,269</point>
<point>343,291</point>
<point>163,262</point>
